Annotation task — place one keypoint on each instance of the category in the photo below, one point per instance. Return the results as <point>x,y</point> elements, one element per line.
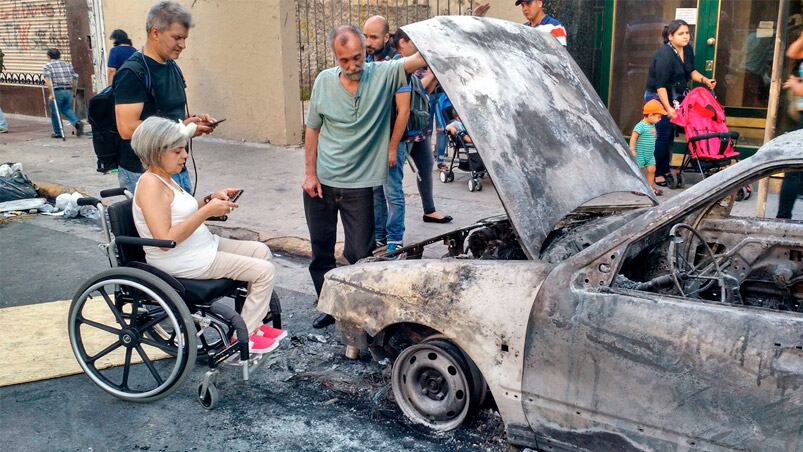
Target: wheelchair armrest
<point>139,241</point>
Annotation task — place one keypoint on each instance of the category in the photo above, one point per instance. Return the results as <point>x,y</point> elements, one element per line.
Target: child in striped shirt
<point>642,141</point>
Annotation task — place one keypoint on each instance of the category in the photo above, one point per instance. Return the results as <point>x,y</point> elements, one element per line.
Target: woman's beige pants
<point>249,261</point>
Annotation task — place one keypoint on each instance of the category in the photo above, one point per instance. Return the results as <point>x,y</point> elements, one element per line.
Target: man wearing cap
<point>533,11</point>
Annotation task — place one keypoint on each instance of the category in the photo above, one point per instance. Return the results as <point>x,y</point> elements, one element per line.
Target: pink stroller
<point>711,145</point>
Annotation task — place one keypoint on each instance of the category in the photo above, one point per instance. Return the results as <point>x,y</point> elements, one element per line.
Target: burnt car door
<point>628,368</point>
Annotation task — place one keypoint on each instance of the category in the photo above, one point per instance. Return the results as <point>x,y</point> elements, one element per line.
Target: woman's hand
<point>225,194</point>
<point>218,207</point>
<point>709,82</point>
<point>671,113</point>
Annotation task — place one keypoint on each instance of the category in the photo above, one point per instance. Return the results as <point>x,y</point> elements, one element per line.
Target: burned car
<point>613,326</point>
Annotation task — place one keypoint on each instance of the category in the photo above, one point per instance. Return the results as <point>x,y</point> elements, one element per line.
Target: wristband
<point>207,198</point>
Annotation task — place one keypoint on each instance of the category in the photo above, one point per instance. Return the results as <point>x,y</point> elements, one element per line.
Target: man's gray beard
<point>354,76</point>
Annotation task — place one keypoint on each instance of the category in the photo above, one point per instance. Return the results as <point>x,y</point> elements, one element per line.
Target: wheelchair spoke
<point>162,347</point>
<point>117,315</point>
<point>105,351</point>
<point>148,363</point>
<point>153,322</point>
<point>134,308</point>
<point>99,326</point>
<point>126,368</point>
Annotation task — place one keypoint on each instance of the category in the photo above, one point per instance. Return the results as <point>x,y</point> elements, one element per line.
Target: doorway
<point>733,43</point>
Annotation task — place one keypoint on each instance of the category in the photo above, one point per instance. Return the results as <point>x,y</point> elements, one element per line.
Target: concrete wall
<point>505,9</point>
<point>241,63</point>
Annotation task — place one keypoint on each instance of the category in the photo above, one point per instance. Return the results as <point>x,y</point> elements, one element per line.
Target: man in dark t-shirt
<point>150,83</point>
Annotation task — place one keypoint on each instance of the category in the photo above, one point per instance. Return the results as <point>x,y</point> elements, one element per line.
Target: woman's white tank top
<point>190,258</point>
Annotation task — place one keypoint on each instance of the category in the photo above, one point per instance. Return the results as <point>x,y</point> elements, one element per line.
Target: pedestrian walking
<point>122,50</point>
<point>346,142</point>
<point>793,181</point>
<point>59,80</point>
<point>668,81</point>
<point>150,83</point>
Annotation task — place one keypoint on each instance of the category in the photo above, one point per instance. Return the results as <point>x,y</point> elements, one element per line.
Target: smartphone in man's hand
<point>236,196</point>
<point>215,124</point>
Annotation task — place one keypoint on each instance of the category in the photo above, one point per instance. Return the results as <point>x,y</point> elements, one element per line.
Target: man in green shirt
<point>347,142</point>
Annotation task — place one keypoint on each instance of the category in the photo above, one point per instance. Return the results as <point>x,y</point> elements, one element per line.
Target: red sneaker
<point>261,345</point>
<point>271,333</point>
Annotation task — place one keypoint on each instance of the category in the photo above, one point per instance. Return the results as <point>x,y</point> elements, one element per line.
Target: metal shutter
<point>27,30</point>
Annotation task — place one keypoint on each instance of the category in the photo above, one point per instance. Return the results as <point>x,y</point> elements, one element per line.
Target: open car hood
<point>546,138</point>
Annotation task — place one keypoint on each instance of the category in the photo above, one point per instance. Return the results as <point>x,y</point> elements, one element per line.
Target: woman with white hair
<point>164,211</point>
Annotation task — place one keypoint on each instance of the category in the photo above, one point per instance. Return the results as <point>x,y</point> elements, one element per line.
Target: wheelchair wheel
<point>443,177</point>
<point>114,318</point>
<point>210,397</point>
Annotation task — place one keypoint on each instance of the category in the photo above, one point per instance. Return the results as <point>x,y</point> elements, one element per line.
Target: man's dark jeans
<point>356,207</point>
<point>790,189</point>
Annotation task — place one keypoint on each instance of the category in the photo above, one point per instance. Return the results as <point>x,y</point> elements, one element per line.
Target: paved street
<point>305,397</point>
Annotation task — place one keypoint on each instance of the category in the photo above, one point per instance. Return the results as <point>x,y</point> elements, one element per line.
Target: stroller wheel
<point>450,176</point>
<point>471,185</point>
<point>679,182</point>
<point>479,185</point>
<point>444,177</point>
<point>670,180</point>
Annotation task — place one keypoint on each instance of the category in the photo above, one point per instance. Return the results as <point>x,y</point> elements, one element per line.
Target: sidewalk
<point>270,208</point>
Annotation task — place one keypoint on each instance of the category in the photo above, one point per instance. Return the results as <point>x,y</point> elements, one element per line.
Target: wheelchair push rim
<point>114,302</point>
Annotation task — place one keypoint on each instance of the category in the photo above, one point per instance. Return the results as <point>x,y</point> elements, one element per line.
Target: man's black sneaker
<point>55,135</point>
<point>79,128</point>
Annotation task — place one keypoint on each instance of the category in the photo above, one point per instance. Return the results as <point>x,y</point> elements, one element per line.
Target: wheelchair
<point>157,325</point>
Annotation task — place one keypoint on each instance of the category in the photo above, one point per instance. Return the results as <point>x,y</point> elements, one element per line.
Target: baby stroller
<point>467,158</point>
<point>153,318</point>
<point>711,146</point>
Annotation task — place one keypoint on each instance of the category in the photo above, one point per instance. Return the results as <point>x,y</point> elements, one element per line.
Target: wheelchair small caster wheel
<point>208,398</point>
<point>443,177</point>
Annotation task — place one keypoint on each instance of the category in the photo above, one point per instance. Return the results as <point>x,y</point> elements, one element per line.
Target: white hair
<point>158,135</point>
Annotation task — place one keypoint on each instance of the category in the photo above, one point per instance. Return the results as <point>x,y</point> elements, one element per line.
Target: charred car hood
<point>546,138</point>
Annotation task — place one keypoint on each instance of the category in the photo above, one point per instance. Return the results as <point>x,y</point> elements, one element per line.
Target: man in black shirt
<point>150,83</point>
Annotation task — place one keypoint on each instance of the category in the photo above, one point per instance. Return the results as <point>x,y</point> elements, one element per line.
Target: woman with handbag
<point>668,81</point>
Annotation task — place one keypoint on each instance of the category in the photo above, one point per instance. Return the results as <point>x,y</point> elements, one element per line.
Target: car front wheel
<point>436,384</point>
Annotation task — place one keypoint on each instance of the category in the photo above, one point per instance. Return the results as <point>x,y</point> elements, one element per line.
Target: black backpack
<point>419,106</point>
<point>105,138</point>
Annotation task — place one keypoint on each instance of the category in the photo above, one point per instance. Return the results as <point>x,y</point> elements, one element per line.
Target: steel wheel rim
<point>94,373</point>
<point>430,387</point>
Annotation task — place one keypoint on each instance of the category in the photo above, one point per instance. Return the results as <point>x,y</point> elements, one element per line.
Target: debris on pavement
<point>14,184</point>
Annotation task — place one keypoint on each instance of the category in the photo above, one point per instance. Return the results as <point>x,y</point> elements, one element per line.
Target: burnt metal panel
<point>545,136</point>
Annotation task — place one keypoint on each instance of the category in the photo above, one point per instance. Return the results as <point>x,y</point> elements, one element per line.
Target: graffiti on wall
<point>22,30</point>
<point>27,29</point>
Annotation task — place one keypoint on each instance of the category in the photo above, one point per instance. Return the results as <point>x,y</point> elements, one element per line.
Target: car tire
<point>453,390</point>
